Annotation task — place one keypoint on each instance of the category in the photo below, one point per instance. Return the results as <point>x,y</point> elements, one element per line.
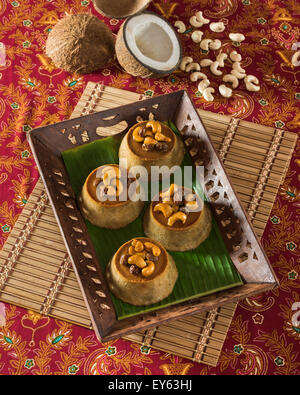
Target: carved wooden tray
<point>48,142</point>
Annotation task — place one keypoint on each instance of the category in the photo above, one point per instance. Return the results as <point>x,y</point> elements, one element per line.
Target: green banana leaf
<point>202,271</point>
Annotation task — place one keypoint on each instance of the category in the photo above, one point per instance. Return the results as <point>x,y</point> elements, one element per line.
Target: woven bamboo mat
<point>36,272</point>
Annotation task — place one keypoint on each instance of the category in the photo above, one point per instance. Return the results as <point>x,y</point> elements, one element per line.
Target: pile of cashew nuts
<point>231,80</point>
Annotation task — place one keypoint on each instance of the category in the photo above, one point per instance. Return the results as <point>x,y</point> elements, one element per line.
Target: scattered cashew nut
<point>207,94</point>
<point>237,37</point>
<point>184,62</point>
<point>195,22</point>
<point>225,91</point>
<point>192,67</point>
<point>237,74</point>
<point>214,68</point>
<point>217,27</point>
<point>180,26</point>
<point>205,62</point>
<point>235,57</point>
<point>232,79</point>
<point>252,83</point>
<point>197,75</point>
<point>215,44</point>
<point>296,59</point>
<point>205,44</point>
<point>197,36</point>
<point>203,85</point>
<point>237,66</point>
<point>201,18</point>
<point>221,58</point>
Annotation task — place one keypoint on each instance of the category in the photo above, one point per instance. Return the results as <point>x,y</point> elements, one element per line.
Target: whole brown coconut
<point>80,44</point>
<point>120,9</point>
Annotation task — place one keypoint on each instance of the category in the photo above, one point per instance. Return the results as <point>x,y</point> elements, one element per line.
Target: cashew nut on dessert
<point>184,62</point>
<point>203,85</point>
<point>237,37</point>
<point>232,79</point>
<point>235,57</point>
<point>192,67</point>
<point>217,27</point>
<point>252,83</point>
<point>225,91</point>
<point>197,75</point>
<point>164,208</point>
<point>221,58</point>
<point>205,44</point>
<point>180,26</point>
<point>207,94</point>
<point>215,44</point>
<point>197,36</point>
<point>179,216</point>
<point>214,68</point>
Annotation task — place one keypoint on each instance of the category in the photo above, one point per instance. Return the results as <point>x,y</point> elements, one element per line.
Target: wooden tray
<point>47,144</point>
<point>48,285</point>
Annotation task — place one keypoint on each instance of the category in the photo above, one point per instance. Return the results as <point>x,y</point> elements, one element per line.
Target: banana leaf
<point>202,271</point>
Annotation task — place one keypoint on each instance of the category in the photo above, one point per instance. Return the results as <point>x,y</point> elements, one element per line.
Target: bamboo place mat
<point>36,272</point>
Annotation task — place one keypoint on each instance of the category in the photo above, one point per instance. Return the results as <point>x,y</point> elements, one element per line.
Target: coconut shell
<point>120,9</point>
<point>80,44</point>
<point>127,61</point>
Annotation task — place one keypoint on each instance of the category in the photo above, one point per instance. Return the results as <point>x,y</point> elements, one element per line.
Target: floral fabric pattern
<point>265,332</point>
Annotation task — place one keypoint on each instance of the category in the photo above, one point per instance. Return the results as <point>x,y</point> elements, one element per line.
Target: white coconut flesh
<point>153,42</point>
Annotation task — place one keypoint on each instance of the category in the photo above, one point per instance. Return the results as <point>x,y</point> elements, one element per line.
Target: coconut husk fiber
<point>120,8</point>
<point>80,44</point>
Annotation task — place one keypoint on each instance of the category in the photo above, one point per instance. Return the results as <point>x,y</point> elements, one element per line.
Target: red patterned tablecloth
<point>263,337</point>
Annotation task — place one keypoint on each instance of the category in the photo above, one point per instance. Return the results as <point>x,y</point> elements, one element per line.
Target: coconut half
<point>147,45</point>
<point>120,9</point>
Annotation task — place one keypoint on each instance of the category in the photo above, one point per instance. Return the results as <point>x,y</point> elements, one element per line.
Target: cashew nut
<point>232,79</point>
<point>197,36</point>
<point>205,44</point>
<point>225,91</point>
<point>136,136</point>
<point>184,62</point>
<point>194,22</point>
<point>161,137</point>
<point>237,66</point>
<point>217,27</point>
<point>197,76</point>
<point>200,17</point>
<point>296,59</point>
<point>137,260</point>
<point>207,94</point>
<point>237,74</point>
<point>205,62</point>
<point>235,57</point>
<point>139,246</point>
<point>117,183</point>
<point>179,216</point>
<point>203,85</point>
<point>252,83</point>
<point>149,269</point>
<point>237,37</point>
<point>149,141</point>
<point>154,125</point>
<point>164,208</point>
<point>180,26</point>
<point>152,247</point>
<point>221,58</point>
<point>215,44</point>
<point>192,67</point>
<point>192,205</point>
<point>170,192</point>
<point>214,68</point>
